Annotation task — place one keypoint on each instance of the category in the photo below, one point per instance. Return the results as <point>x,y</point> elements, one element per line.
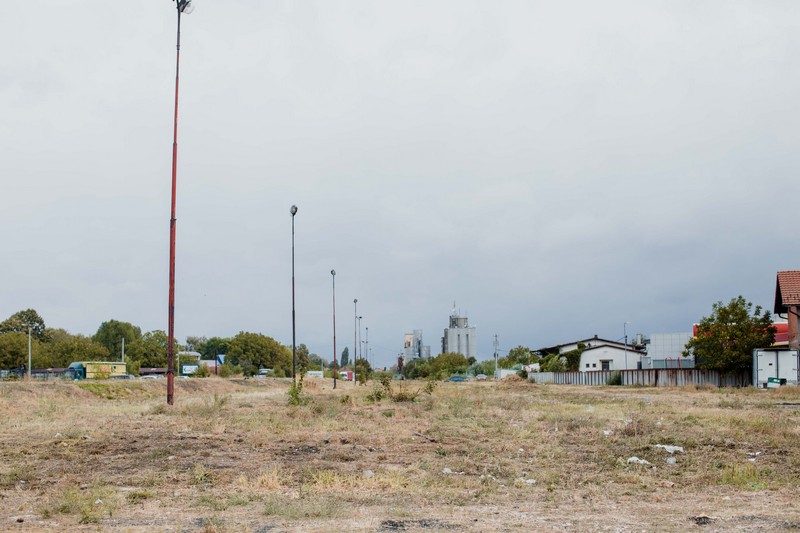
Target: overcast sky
<point>556,169</point>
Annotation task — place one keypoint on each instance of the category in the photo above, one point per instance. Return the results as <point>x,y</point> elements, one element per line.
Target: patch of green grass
<point>319,507</point>
<point>201,475</point>
<point>109,391</point>
<point>138,496</point>
<point>746,476</point>
<point>90,505</point>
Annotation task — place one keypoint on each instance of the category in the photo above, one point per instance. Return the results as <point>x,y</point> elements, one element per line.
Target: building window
<point>606,365</point>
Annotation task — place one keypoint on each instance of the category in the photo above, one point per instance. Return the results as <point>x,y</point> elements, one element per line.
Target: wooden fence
<point>654,377</point>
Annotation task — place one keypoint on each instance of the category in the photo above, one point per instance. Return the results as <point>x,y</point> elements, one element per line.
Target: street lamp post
<point>293,212</point>
<point>183,6</point>
<point>625,335</point>
<point>366,344</point>
<point>30,359</point>
<point>355,339</point>
<point>333,280</point>
<point>360,347</point>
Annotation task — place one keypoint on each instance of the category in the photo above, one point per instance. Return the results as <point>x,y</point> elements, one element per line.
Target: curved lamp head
<point>333,272</point>
<point>355,300</point>
<point>293,210</point>
<point>185,6</point>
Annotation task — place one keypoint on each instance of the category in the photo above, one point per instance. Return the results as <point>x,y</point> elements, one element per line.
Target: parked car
<point>481,377</point>
<point>124,376</point>
<point>458,378</point>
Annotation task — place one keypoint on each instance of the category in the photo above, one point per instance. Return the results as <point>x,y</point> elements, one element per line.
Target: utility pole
<point>625,334</point>
<point>360,345</point>
<point>355,339</point>
<point>495,357</point>
<point>123,349</point>
<point>29,353</point>
<point>333,285</point>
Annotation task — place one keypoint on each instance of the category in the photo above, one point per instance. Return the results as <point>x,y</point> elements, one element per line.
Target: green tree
<point>517,356</point>
<point>345,358</point>
<point>316,362</point>
<point>252,351</point>
<point>14,349</point>
<point>150,350</point>
<point>111,333</point>
<point>363,369</point>
<point>553,362</point>
<point>725,340</point>
<point>484,367</point>
<point>21,320</point>
<point>65,349</point>
<point>449,363</point>
<point>572,358</point>
<point>302,356</point>
<point>214,346</point>
<point>195,343</point>
<point>417,368</point>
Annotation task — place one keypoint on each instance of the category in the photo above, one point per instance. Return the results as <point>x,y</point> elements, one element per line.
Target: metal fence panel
<point>651,377</point>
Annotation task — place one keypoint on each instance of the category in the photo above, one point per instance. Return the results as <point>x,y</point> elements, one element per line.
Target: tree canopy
<point>111,333</point>
<point>517,356</point>
<point>252,351</point>
<point>725,340</point>
<point>150,350</point>
<point>22,320</point>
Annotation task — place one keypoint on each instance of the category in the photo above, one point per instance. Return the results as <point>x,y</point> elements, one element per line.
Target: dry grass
<point>234,456</point>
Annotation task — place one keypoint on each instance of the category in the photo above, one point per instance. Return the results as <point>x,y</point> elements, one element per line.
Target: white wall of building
<point>667,345</point>
<point>613,357</point>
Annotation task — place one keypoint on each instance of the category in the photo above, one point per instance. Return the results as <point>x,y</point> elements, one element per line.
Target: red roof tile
<point>787,290</point>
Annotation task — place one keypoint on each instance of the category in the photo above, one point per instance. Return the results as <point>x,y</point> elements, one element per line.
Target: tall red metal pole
<point>333,278</point>
<point>172,224</point>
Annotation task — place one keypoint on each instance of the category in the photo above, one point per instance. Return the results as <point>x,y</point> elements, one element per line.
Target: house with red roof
<point>787,304</point>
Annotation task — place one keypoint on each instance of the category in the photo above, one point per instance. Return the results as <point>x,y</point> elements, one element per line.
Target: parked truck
<point>346,375</point>
<point>95,370</point>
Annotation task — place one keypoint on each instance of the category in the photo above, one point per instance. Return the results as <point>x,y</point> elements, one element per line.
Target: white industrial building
<point>413,347</point>
<point>460,337</point>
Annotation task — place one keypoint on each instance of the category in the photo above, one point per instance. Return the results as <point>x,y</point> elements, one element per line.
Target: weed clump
<point>401,394</point>
<point>296,396</point>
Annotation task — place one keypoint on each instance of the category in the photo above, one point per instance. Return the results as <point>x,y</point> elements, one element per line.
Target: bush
<point>614,379</point>
<point>228,370</point>
<point>401,394</point>
<point>202,372</point>
<point>296,396</point>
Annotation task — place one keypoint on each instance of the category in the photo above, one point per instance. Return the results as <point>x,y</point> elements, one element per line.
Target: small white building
<point>608,357</point>
<point>588,343</point>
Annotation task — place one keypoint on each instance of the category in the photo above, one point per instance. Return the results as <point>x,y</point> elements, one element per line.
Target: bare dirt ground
<point>233,455</point>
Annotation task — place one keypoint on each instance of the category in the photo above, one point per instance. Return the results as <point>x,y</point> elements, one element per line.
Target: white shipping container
<point>779,364</point>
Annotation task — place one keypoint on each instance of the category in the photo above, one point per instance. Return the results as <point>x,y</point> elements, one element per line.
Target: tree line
<point>245,352</point>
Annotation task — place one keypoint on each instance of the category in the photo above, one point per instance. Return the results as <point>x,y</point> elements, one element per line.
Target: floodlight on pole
<point>183,6</point>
